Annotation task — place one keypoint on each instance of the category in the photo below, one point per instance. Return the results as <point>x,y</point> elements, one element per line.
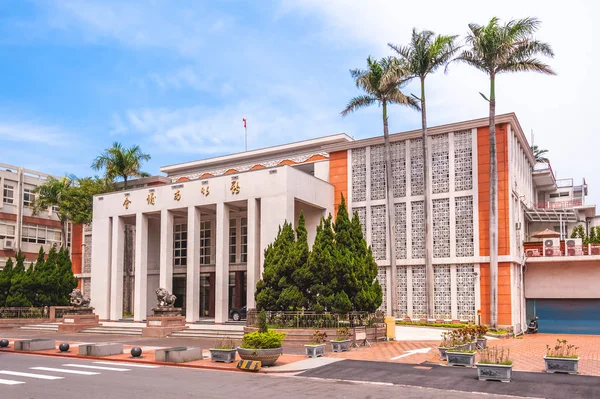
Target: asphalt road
<point>40,377</point>
<point>523,384</point>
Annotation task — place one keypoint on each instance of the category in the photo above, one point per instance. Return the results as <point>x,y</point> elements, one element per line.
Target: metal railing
<point>301,319</point>
<point>559,204</point>
<point>23,313</point>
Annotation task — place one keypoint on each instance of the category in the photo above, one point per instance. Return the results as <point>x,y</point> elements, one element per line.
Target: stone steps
<point>113,330</point>
<point>41,327</point>
<point>213,334</point>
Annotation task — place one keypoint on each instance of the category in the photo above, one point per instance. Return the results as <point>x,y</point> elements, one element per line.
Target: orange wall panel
<point>76,249</point>
<point>338,176</point>
<point>504,293</point>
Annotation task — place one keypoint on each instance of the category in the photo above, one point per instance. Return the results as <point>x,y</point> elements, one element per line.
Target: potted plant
<point>460,357</point>
<point>494,364</point>
<point>224,351</point>
<point>317,346</point>
<point>446,344</point>
<point>341,343</point>
<point>561,358</point>
<point>264,345</point>
<point>481,339</point>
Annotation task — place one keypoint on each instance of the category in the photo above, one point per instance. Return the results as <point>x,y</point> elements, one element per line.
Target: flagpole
<point>246,137</point>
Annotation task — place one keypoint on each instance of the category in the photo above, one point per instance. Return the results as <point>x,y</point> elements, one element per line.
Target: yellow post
<point>391,328</point>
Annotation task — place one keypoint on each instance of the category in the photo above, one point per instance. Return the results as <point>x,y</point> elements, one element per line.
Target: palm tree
<point>51,194</point>
<point>424,55</point>
<point>382,82</point>
<point>121,162</point>
<point>539,154</point>
<point>496,49</point>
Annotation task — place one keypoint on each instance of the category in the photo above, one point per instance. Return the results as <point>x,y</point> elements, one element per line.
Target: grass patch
<point>427,324</point>
<point>498,332</point>
<point>504,363</point>
<point>461,351</point>
<point>563,357</point>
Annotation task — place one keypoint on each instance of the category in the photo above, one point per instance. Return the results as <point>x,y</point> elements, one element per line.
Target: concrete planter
<point>494,372</point>
<point>443,352</point>
<point>340,346</point>
<point>460,358</point>
<point>481,343</point>
<point>267,357</point>
<point>315,350</point>
<point>222,355</point>
<point>561,365</point>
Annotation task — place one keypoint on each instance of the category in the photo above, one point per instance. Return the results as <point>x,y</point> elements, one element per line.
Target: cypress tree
<point>320,277</point>
<point>17,295</point>
<point>5,278</point>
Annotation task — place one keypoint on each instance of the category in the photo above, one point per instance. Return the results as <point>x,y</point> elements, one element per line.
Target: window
<point>564,194</point>
<point>205,243</point>
<point>180,245</point>
<point>28,197</point>
<point>54,209</point>
<point>8,194</point>
<point>554,195</point>
<point>40,234</point>
<point>232,240</point>
<point>244,240</point>
<point>7,230</point>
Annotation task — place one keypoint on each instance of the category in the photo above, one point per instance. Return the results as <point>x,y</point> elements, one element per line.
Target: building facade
<point>203,235</point>
<point>19,228</point>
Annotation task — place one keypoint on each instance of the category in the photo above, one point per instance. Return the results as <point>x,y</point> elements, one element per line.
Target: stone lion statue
<point>164,298</point>
<point>77,299</point>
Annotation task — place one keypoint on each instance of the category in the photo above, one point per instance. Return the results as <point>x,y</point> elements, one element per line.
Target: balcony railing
<point>536,249</point>
<point>559,204</point>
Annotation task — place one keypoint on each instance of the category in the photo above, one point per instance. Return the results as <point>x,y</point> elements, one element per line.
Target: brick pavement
<point>526,352</point>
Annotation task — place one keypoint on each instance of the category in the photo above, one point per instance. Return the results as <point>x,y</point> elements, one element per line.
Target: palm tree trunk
<point>63,228</point>
<point>124,182</point>
<point>493,209</point>
<point>430,282</point>
<point>391,231</point>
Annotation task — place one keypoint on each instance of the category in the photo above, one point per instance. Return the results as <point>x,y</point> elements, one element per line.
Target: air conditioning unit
<point>532,252</point>
<point>9,243</point>
<point>573,246</point>
<point>552,247</point>
<point>595,250</point>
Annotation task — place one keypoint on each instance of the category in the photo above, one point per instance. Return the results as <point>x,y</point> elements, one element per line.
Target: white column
<point>140,298</point>
<point>222,265</point>
<point>100,273</point>
<point>192,311</point>
<point>454,292</point>
<point>166,250</point>
<point>116,265</point>
<point>252,265</point>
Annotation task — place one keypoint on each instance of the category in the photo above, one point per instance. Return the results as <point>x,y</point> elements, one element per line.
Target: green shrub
<point>262,340</point>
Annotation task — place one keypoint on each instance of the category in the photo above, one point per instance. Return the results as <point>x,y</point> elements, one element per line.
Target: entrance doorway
<point>207,295</point>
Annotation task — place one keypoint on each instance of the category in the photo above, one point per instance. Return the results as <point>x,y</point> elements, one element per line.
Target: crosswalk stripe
<point>145,366</point>
<point>10,382</point>
<point>85,366</point>
<point>64,371</point>
<point>31,375</point>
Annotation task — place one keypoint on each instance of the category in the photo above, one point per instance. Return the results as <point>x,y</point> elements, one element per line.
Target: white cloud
<point>32,132</point>
<point>559,109</point>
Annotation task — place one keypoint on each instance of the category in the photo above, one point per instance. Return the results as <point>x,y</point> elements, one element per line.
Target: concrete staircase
<point>210,331</point>
<point>41,327</point>
<point>114,330</point>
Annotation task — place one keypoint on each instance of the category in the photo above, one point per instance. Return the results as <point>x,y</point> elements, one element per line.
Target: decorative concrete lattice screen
<point>378,238</point>
<point>359,174</point>
<point>362,216</point>
<point>417,182</point>
<point>399,168</point>
<point>402,291</point>
<point>419,293</point>
<point>463,160</point>
<point>87,258</point>
<point>400,229</point>
<point>417,229</point>
<point>440,164</point>
<point>377,173</point>
<point>465,292</point>
<point>441,228</point>
<point>86,287</point>
<point>465,245</point>
<point>442,297</point>
<point>381,277</point>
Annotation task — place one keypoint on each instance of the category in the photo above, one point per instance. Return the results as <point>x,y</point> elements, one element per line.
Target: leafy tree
<point>382,82</point>
<point>425,54</point>
<point>17,295</point>
<point>578,232</point>
<point>539,154</point>
<point>495,49</point>
<point>5,279</point>
<point>78,200</point>
<point>121,162</point>
<point>51,194</point>
<point>321,279</point>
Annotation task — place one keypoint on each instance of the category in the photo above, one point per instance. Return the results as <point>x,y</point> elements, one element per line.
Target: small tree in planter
<point>317,346</point>
<point>481,339</point>
<point>224,351</point>
<point>341,343</point>
<point>264,345</point>
<point>446,344</point>
<point>462,352</point>
<point>561,358</point>
<point>494,364</point>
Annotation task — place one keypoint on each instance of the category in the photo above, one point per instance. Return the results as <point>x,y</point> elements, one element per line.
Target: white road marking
<point>85,366</point>
<point>145,366</point>
<point>64,371</point>
<point>412,352</point>
<point>31,375</point>
<point>10,382</point>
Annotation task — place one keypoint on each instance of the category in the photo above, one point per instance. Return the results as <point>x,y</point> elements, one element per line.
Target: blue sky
<point>177,77</point>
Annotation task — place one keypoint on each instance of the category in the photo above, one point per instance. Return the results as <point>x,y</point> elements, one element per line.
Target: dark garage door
<point>567,316</point>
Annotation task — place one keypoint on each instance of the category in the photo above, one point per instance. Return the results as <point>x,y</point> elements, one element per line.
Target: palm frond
<point>528,65</point>
<point>399,98</point>
<point>358,103</point>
